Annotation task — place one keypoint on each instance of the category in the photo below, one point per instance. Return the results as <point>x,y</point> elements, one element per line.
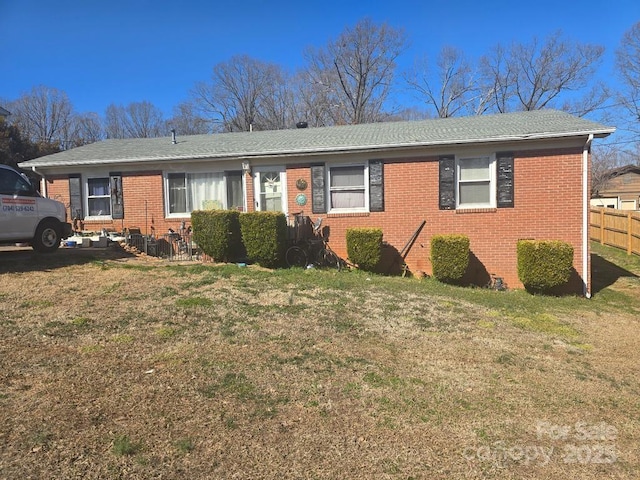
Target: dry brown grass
<point>116,366</point>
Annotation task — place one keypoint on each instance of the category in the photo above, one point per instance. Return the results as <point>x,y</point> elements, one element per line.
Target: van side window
<point>13,184</point>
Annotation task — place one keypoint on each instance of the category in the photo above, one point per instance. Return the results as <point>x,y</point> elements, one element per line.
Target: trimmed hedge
<point>217,233</point>
<point>544,264</point>
<point>449,257</point>
<point>264,235</point>
<point>364,247</point>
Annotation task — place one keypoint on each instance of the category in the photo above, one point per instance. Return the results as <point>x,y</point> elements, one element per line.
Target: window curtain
<point>206,191</point>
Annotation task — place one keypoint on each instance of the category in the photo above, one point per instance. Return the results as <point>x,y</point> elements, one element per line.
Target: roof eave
<point>323,151</point>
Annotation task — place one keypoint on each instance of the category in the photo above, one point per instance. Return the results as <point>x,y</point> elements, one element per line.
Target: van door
<point>18,206</point>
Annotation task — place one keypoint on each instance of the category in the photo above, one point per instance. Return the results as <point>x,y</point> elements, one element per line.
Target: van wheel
<point>47,237</point>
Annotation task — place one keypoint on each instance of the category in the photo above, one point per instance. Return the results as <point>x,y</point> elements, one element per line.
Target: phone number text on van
<point>18,208</point>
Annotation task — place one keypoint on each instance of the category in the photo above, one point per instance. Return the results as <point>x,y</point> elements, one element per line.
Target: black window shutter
<point>117,203</point>
<point>318,189</point>
<point>75,197</point>
<point>447,183</point>
<point>376,186</point>
<point>505,180</point>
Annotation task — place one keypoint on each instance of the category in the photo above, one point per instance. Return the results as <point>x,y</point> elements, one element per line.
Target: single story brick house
<point>496,178</point>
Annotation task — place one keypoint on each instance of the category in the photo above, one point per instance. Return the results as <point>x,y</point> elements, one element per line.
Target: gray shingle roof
<point>538,124</point>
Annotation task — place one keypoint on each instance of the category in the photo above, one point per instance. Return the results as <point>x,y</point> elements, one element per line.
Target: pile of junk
<point>173,245</point>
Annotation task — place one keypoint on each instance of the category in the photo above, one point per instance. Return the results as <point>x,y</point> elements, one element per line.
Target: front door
<point>271,189</point>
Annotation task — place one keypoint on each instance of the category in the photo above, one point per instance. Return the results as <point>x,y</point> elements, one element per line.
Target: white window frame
<point>491,179</point>
<point>167,204</point>
<point>167,193</point>
<point>331,209</point>
<point>87,196</point>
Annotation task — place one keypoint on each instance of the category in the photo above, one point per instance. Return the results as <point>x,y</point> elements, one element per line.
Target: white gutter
<point>585,218</point>
<point>43,182</point>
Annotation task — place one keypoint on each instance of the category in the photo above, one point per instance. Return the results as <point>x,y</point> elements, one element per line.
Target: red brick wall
<point>548,206</point>
<point>143,203</point>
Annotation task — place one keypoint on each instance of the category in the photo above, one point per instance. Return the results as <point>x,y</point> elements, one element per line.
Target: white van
<point>27,217</point>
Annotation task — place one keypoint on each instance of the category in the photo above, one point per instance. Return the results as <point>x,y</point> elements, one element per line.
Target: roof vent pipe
<point>173,136</point>
<point>302,125</point>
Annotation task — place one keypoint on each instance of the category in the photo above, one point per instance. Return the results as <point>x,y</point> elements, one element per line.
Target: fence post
<point>629,233</point>
<point>602,226</point>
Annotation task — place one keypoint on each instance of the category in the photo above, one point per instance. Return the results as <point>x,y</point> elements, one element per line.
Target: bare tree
<point>244,94</point>
<point>497,80</point>
<point>187,121</point>
<point>44,115</point>
<point>88,128</point>
<point>312,101</point>
<point>450,87</point>
<point>278,106</point>
<point>114,122</point>
<point>356,70</point>
<point>136,120</point>
<point>628,64</point>
<point>538,75</point>
<point>604,158</point>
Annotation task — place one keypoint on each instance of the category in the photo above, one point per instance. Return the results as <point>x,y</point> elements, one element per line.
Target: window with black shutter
<point>347,188</point>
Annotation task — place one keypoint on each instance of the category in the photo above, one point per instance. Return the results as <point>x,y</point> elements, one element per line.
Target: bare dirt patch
<point>118,366</point>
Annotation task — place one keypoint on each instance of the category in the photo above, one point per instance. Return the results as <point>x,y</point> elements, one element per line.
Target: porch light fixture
<point>246,166</point>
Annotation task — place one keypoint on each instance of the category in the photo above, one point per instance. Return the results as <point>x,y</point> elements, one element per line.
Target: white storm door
<point>270,187</point>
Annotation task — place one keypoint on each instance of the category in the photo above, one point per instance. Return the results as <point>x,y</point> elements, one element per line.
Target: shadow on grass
<point>19,259</point>
<point>605,273</point>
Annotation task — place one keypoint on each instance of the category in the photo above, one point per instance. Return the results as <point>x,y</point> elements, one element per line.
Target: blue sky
<point>122,51</point>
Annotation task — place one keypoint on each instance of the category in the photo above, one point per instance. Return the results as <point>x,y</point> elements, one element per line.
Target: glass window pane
<point>347,199</point>
<point>98,186</point>
<point>271,202</point>
<point>177,193</point>
<point>234,191</point>
<point>474,193</point>
<point>100,206</point>
<point>270,192</point>
<point>12,183</point>
<point>347,176</point>
<point>474,169</point>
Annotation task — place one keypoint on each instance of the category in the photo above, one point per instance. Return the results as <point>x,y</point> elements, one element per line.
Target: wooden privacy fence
<point>617,228</point>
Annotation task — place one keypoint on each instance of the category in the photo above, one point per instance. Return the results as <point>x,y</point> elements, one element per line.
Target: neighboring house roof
<point>4,113</point>
<point>540,124</point>
<point>616,172</point>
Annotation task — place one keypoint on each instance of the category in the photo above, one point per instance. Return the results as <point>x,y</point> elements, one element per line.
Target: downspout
<point>585,217</point>
<point>43,182</point>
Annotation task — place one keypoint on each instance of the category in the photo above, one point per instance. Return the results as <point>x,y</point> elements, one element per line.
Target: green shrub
<point>544,264</point>
<point>449,257</point>
<point>264,235</point>
<point>364,247</point>
<point>217,233</point>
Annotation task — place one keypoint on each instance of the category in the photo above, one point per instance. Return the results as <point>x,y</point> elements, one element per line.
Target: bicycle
<point>313,251</point>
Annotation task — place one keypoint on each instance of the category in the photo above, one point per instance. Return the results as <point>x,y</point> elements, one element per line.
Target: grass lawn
<point>116,366</point>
